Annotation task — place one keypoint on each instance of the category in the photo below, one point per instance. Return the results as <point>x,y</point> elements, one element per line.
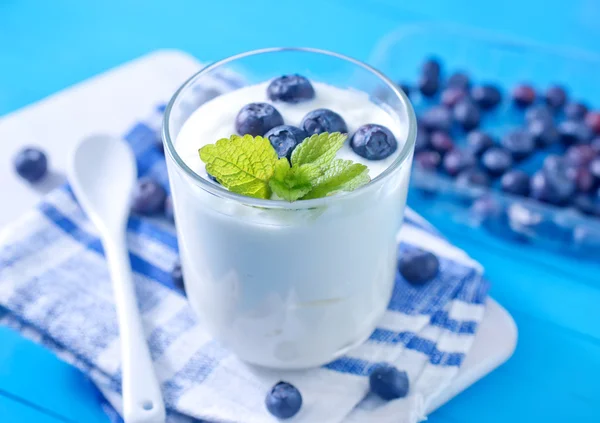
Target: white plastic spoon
<point>102,174</point>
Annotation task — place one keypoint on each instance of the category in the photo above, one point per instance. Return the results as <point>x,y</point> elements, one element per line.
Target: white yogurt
<point>288,288</point>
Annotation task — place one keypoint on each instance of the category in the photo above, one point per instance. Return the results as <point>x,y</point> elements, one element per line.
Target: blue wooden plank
<point>15,411</point>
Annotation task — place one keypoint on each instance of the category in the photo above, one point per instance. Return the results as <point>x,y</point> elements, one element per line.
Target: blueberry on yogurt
<point>31,164</point>
<point>373,142</point>
<point>285,138</point>
<point>323,120</point>
<point>257,119</point>
<point>388,383</point>
<point>284,400</point>
<point>290,89</point>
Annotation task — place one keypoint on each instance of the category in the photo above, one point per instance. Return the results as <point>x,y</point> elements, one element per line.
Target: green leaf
<point>243,165</point>
<point>291,183</point>
<point>340,175</point>
<point>318,150</point>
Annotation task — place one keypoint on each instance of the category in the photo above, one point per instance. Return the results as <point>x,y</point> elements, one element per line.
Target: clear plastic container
<point>506,62</point>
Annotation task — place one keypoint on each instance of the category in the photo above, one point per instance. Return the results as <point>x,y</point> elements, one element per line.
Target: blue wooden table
<point>47,46</point>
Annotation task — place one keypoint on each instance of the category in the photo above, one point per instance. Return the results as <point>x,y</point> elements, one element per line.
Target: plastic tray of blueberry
<point>508,135</point>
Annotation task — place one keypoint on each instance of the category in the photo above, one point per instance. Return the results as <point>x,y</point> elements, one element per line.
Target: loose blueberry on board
<point>473,177</point>
<point>285,138</point>
<point>422,141</point>
<point>520,144</point>
<point>515,182</point>
<point>479,142</point>
<point>428,85</point>
<point>555,97</point>
<point>290,89</point>
<point>177,276</point>
<point>441,142</point>
<point>580,155</point>
<point>418,267</point>
<point>257,119</point>
<point>553,163</point>
<point>431,66</point>
<point>323,120</point>
<point>539,112</point>
<point>466,114</point>
<point>31,164</point>
<point>551,188</point>
<point>496,160</point>
<point>459,80</point>
<point>575,110</point>
<point>543,132</point>
<point>451,96</point>
<point>574,132</point>
<point>456,161</point>
<point>523,95</point>
<point>592,120</point>
<point>373,142</point>
<point>428,160</point>
<point>583,179</point>
<point>169,212</point>
<point>438,118</point>
<point>284,400</point>
<point>388,383</point>
<point>486,96</point>
<point>148,197</point>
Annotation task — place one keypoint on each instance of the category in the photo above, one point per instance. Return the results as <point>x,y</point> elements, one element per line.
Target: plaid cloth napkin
<point>55,289</point>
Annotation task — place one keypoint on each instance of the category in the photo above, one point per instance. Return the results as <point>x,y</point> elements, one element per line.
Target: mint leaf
<point>318,150</point>
<point>243,165</point>
<point>340,175</point>
<point>291,183</point>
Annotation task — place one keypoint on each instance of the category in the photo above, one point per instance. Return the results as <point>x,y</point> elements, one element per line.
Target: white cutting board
<point>110,103</point>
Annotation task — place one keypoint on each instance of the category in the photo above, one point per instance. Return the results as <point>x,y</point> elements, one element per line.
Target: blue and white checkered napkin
<point>55,289</point>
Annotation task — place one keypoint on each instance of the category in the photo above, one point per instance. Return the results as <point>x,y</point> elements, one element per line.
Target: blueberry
<point>169,212</point>
<point>212,178</point>
<point>496,161</point>
<point>431,66</point>
<point>580,155</point>
<point>373,142</point>
<point>486,96</point>
<point>456,161</point>
<point>520,144</point>
<point>459,80</point>
<point>451,96</point>
<point>575,110</point>
<point>284,400</point>
<point>595,144</point>
<point>554,163</point>
<point>31,164</point>
<point>290,89</point>
<point>422,141</point>
<point>428,85</point>
<point>285,138</point>
<point>538,112</point>
<point>574,132</point>
<point>323,120</point>
<point>543,132</point>
<point>473,177</point>
<point>466,113</point>
<point>583,178</point>
<point>555,96</point>
<point>592,120</point>
<point>428,160</point>
<point>587,204</point>
<point>551,188</point>
<point>257,119</point>
<point>595,168</point>
<point>441,142</point>
<point>523,95</point>
<point>515,182</point>
<point>438,118</point>
<point>388,382</point>
<point>419,266</point>
<point>177,276</point>
<point>479,142</point>
<point>148,197</point>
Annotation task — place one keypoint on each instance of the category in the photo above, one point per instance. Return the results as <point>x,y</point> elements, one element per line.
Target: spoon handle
<point>142,398</point>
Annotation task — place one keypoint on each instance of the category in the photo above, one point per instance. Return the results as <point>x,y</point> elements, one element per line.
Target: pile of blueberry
<point>552,155</point>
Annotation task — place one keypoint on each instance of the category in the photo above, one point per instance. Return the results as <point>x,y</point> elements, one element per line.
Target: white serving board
<point>110,103</point>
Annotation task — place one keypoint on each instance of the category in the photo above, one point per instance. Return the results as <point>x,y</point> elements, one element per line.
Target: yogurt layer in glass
<point>288,285</point>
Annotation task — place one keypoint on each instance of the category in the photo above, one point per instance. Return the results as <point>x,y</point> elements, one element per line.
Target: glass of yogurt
<point>288,284</point>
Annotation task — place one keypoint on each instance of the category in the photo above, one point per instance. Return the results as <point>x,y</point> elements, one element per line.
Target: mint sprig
<point>249,166</point>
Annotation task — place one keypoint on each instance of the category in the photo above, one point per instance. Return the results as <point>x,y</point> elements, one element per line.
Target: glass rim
<point>219,191</point>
